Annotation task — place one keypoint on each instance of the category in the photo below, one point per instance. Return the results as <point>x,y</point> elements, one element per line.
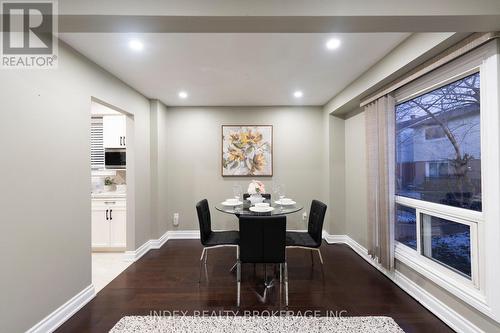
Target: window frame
<point>482,291</point>
<point>453,214</point>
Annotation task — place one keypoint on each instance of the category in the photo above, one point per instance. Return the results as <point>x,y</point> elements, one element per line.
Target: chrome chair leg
<point>237,257</point>
<point>320,257</point>
<point>201,262</point>
<point>238,283</point>
<point>322,270</point>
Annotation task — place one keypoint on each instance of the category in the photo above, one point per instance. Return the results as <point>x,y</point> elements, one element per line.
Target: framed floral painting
<point>247,150</point>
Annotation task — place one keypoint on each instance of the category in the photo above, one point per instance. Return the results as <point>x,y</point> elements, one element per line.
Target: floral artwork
<point>247,150</point>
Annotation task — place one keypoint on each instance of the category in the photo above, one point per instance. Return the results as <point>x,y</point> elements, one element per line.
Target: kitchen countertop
<point>106,195</point>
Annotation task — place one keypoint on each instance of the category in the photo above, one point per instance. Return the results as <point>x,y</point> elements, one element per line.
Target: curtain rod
<point>466,45</point>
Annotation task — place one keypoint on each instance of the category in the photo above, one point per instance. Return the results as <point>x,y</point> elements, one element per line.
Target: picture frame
<point>247,151</point>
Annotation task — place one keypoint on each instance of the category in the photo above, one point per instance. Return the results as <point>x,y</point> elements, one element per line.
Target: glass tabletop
<point>244,209</point>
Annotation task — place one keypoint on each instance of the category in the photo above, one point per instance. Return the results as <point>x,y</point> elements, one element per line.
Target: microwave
<point>115,158</point>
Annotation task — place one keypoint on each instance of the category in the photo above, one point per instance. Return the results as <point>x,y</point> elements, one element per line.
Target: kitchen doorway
<point>110,177</point>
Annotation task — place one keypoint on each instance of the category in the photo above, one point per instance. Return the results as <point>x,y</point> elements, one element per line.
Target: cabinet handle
<point>121,140</point>
<point>110,212</point>
<point>124,141</point>
<point>107,215</point>
<point>109,202</point>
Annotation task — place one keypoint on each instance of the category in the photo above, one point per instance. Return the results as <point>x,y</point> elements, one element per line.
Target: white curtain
<point>380,137</point>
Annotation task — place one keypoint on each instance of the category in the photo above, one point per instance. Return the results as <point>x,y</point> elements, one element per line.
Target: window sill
<point>452,282</point>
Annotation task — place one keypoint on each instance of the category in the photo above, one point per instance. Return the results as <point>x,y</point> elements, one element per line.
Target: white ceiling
<point>236,69</point>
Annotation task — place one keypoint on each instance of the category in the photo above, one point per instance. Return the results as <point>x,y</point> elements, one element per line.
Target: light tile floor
<point>105,267</point>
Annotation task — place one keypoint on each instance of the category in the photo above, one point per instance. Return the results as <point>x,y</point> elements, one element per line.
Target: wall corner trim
<point>429,301</point>
<point>154,244</point>
<point>55,319</point>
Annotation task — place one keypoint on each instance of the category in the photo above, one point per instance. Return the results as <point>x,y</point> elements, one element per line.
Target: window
<point>447,169</point>
<point>448,243</point>
<point>438,146</point>
<point>434,132</point>
<point>438,177</point>
<point>406,226</point>
<point>96,143</point>
<point>437,169</point>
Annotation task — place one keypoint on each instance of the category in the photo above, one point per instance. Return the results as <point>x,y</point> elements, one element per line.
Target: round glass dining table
<point>244,209</point>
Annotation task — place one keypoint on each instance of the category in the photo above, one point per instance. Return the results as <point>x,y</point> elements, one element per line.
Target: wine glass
<point>237,191</point>
<point>276,189</point>
<point>282,191</point>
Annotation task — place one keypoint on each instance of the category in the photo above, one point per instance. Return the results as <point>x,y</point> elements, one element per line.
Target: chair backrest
<point>316,219</point>
<point>204,220</point>
<point>262,239</point>
<point>266,196</point>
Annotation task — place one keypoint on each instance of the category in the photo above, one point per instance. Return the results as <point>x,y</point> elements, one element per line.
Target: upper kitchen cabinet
<point>115,129</point>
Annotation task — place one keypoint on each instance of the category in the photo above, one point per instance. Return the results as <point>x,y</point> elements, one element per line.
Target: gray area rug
<point>152,324</point>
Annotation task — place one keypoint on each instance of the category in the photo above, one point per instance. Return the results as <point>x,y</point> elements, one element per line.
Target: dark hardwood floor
<point>167,280</point>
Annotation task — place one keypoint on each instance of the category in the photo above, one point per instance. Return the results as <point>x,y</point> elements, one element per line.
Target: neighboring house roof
<point>425,120</point>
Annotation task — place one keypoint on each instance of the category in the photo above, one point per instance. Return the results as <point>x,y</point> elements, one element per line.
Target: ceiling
<point>230,69</point>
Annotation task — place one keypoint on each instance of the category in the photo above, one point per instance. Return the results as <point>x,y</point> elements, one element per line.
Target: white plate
<point>261,209</point>
<point>231,204</point>
<point>289,203</point>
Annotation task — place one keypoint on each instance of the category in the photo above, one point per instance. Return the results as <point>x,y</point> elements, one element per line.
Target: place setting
<point>257,201</point>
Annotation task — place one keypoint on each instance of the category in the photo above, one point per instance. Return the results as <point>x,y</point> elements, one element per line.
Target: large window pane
<point>406,226</point>
<point>438,151</point>
<point>447,242</point>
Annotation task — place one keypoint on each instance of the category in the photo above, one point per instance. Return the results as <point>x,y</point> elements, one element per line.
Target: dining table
<point>244,208</point>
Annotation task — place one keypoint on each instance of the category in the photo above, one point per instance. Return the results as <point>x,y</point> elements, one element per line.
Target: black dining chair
<point>212,239</point>
<point>266,196</point>
<point>310,240</point>
<point>263,240</point>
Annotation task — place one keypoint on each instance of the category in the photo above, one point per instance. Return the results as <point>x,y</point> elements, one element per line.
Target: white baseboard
<point>154,244</point>
<point>433,304</point>
<point>135,255</point>
<point>50,323</point>
<point>184,234</point>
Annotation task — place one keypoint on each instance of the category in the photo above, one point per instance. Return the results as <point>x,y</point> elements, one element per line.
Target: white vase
<point>255,198</point>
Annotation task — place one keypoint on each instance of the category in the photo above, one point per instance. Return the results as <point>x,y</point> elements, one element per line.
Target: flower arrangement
<point>256,187</point>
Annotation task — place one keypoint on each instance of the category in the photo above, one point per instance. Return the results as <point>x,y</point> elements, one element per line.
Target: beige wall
<point>194,158</point>
<point>45,182</point>
<point>348,177</point>
<point>336,221</point>
<point>159,172</point>
<point>356,178</point>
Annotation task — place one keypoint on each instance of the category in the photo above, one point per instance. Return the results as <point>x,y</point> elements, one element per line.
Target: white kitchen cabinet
<point>109,224</point>
<point>118,227</point>
<point>114,131</point>
<point>100,228</point>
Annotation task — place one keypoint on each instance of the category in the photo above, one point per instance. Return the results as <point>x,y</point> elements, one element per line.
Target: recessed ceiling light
<point>298,94</point>
<point>333,44</point>
<point>136,45</point>
<point>183,94</point>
